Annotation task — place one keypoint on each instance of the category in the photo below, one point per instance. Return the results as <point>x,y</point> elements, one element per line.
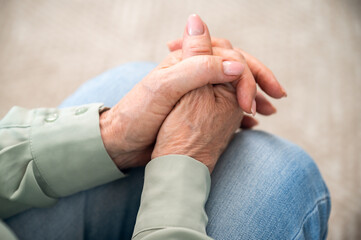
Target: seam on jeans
<point>324,234</point>
<point>309,213</point>
<point>86,220</point>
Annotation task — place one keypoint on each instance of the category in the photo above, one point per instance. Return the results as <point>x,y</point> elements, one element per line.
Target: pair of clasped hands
<point>190,104</point>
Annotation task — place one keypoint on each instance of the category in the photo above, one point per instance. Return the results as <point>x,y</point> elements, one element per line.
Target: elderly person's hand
<point>204,120</point>
<point>130,128</point>
<point>201,124</point>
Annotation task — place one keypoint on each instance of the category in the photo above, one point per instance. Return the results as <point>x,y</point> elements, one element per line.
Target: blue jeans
<point>263,187</point>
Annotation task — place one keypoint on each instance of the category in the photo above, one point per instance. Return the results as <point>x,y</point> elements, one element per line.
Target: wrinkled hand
<point>201,125</point>
<point>129,129</point>
<point>204,120</point>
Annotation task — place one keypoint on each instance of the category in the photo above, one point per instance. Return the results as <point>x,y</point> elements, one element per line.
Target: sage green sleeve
<point>5,232</point>
<point>175,191</point>
<point>49,153</point>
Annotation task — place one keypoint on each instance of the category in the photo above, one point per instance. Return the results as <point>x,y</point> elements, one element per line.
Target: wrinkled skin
<point>129,130</point>
<point>201,125</point>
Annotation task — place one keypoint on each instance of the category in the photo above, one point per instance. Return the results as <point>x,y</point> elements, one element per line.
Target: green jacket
<point>46,154</point>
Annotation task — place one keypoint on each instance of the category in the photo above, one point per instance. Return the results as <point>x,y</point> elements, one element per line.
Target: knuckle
<point>206,63</point>
<point>199,50</point>
<point>241,56</point>
<point>237,55</point>
<point>206,69</point>
<point>225,42</point>
<point>177,54</point>
<point>239,51</point>
<point>175,57</point>
<point>222,42</point>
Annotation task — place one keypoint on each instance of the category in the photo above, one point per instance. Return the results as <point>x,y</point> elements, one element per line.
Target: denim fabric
<point>263,187</point>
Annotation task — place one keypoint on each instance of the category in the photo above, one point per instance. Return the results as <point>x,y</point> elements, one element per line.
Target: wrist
<point>206,157</point>
<point>113,133</point>
<point>107,133</point>
<point>111,140</point>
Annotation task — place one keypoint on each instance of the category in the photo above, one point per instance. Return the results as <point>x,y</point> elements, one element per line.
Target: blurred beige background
<point>48,48</point>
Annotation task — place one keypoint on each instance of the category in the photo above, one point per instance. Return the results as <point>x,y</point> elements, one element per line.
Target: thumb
<point>196,38</point>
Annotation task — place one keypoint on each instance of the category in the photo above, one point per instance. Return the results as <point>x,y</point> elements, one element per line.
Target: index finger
<point>264,76</point>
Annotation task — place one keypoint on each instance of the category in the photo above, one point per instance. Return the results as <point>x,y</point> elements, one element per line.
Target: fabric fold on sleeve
<point>48,153</point>
<point>68,150</point>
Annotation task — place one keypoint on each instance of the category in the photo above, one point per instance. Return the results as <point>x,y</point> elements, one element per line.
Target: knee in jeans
<point>272,183</point>
<point>275,160</point>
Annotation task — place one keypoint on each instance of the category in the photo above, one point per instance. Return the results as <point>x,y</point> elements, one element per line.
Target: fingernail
<point>253,109</point>
<point>284,92</point>
<point>195,25</point>
<point>232,68</point>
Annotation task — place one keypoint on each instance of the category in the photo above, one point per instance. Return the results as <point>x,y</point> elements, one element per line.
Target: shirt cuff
<point>176,188</point>
<point>68,150</point>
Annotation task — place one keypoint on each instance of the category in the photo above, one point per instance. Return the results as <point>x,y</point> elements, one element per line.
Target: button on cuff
<point>81,110</point>
<point>52,117</point>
